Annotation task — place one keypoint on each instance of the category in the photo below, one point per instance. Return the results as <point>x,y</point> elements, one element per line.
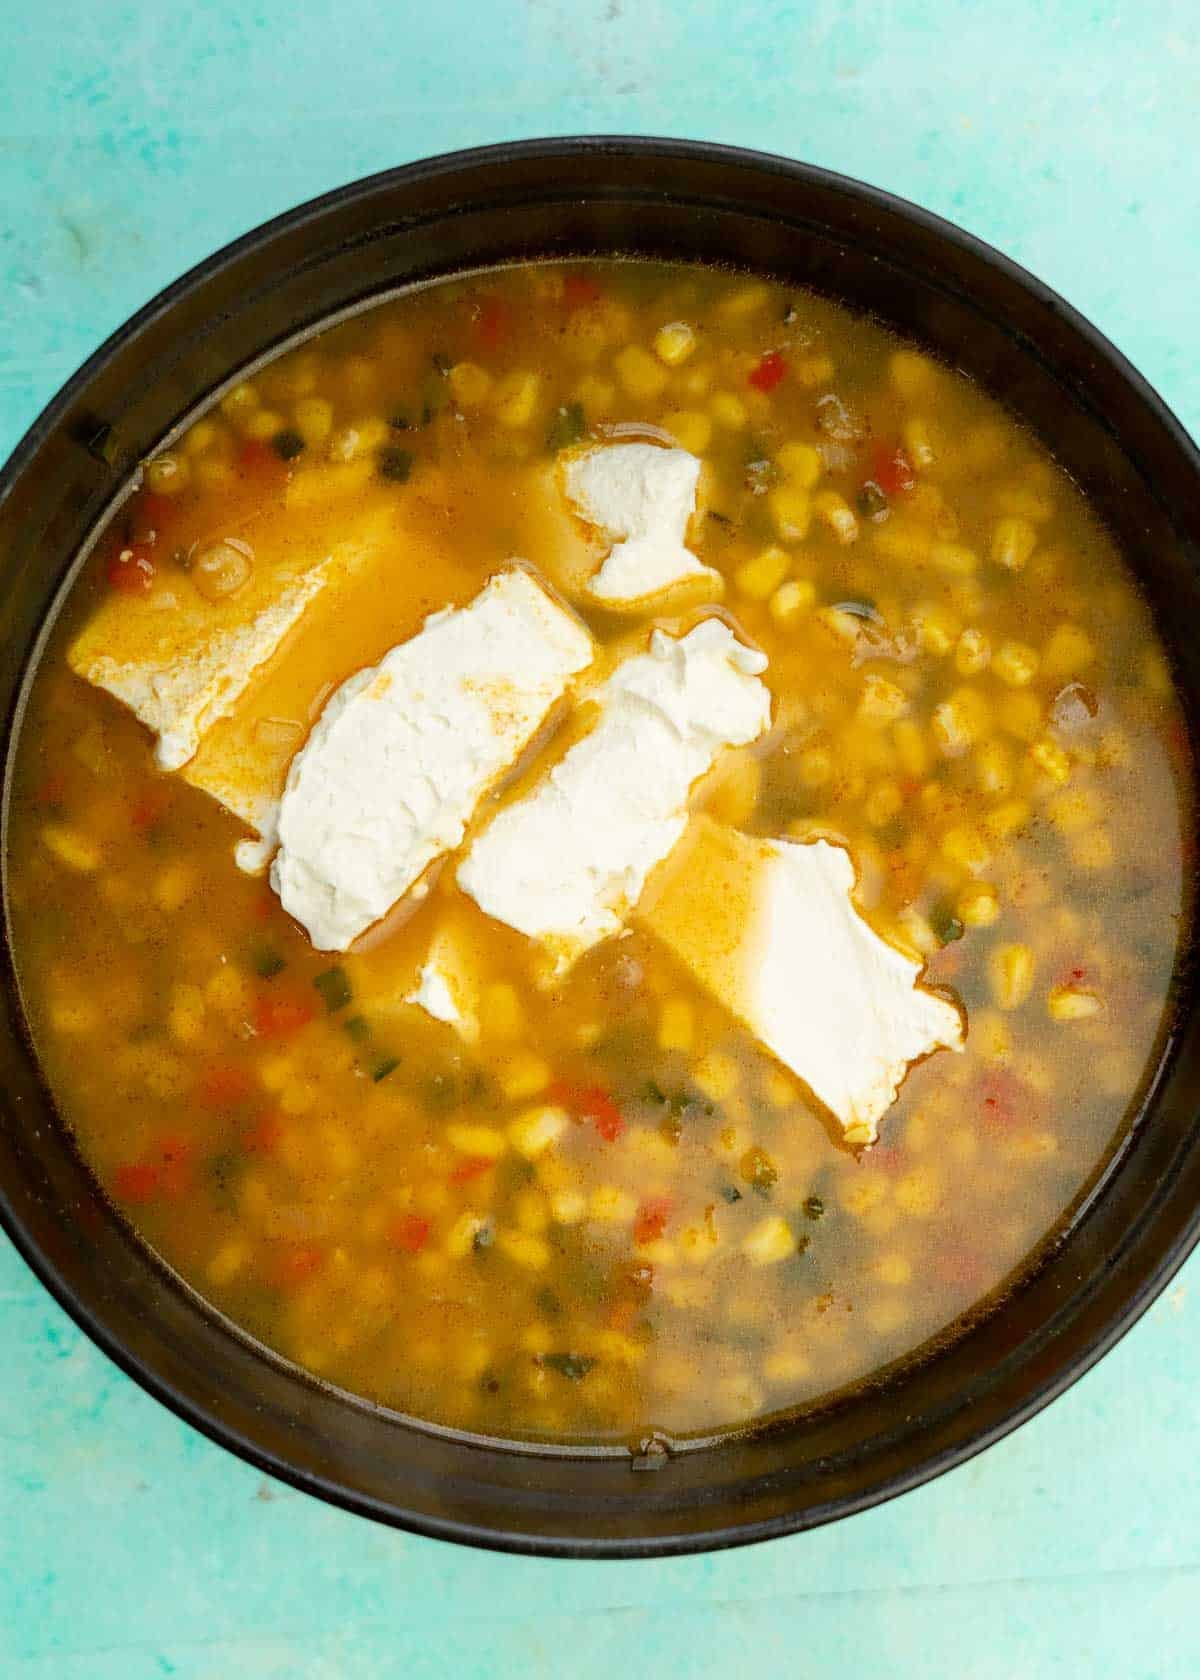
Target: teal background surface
<point>137,137</point>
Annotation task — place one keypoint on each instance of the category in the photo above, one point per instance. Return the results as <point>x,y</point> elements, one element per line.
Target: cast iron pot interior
<point>671,200</point>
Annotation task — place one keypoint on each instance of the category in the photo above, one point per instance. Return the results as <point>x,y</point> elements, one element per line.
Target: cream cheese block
<point>770,928</point>
<point>566,864</point>
<point>643,496</point>
<point>403,752</point>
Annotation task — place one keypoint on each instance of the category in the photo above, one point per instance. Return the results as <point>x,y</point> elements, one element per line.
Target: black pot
<point>672,200</point>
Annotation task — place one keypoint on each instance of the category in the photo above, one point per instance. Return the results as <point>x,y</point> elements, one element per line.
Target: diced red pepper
<point>50,792</point>
<point>264,1136</point>
<point>651,1219</point>
<point>137,1183</point>
<point>769,372</point>
<point>258,459</point>
<point>892,470</point>
<point>175,1173</point>
<point>152,514</point>
<point>579,292</point>
<point>297,1264</point>
<point>263,906</point>
<point>589,1102</point>
<point>224,1085</point>
<point>148,808</point>
<point>493,319</point>
<point>131,570</point>
<point>472,1166</point>
<point>280,1017</point>
<point>410,1233</point>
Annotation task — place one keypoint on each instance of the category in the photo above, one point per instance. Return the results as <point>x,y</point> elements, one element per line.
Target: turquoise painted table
<point>134,138</point>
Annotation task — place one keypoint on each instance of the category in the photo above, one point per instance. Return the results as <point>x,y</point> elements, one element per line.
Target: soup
<point>429,1111</point>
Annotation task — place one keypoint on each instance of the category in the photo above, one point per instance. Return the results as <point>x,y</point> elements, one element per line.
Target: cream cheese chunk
<point>771,929</point>
<point>403,752</point>
<point>448,986</point>
<point>644,496</point>
<point>566,864</point>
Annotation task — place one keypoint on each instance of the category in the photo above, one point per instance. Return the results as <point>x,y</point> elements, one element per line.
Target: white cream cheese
<point>403,752</point>
<point>566,864</point>
<point>644,496</point>
<point>770,928</point>
<point>449,986</point>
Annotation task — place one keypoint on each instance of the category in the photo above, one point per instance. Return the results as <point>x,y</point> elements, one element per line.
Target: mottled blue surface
<point>134,138</point>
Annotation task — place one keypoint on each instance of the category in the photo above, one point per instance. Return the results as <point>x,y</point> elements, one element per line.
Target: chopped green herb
<point>483,1239</point>
<point>357,1028</point>
<point>802,1245</point>
<point>287,444</point>
<point>790,315</point>
<point>566,428</point>
<point>400,422</point>
<point>396,465</point>
<point>814,1207</point>
<point>872,502</point>
<point>223,1170</point>
<point>385,1065</point>
<point>266,962</point>
<point>334,987</point>
<point>946,925</point>
<point>730,1193</point>
<point>573,1366</point>
<point>860,606</point>
<point>548,1303</point>
<point>759,1171</point>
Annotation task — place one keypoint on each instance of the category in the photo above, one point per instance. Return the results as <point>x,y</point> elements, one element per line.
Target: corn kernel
<point>676,1025</point>
<point>834,511</point>
<point>261,424</point>
<point>936,627</point>
<point>791,601</point>
<point>598,396</point>
<point>977,906</point>
<point>954,559</point>
<point>174,885</point>
<point>863,1193</point>
<point>240,401</point>
<point>296,1098</point>
<point>910,748</point>
<point>210,474</point>
<point>882,701</point>
<point>1050,757</point>
<point>185,1020</point>
<point>501,1014</point>
<point>568,1207</point>
<point>471,1139</point>
<point>760,577</point>
<point>1073,1003</point>
<point>918,444</point>
<point>72,848</point>
<point>1020,713</point>
<point>531,1211</point>
<point>537,1129</point>
<point>919,1192</point>
<point>811,371</point>
<point>674,343</point>
<point>228,1261</point>
<point>747,300</point>
<point>959,722</point>
<point>1076,810</point>
<point>918,935</point>
<point>728,410</point>
<point>1010,972</point>
<point>690,429</point>
<point>517,399</point>
<point>1015,663</point>
<point>1008,818</point>
<point>966,848</point>
<point>641,375</point>
<point>717,1075</point>
<point>1013,541</point>
<point>769,1242</point>
<point>525,1250</point>
<point>786,1368</point>
<point>914,376</point>
<point>611,1205</point>
<point>895,1269</point>
<point>74,1015</point>
<point>991,1036</point>
<point>1067,651</point>
<point>993,767</point>
<point>814,767</point>
<point>882,804</point>
<point>800,464</point>
<point>791,510</point>
<point>524,1076</point>
<point>470,383</point>
<point>972,653</point>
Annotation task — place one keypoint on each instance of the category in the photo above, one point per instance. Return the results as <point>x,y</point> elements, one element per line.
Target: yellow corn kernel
<point>835,512</point>
<point>610,1205</point>
<point>811,371</point>
<point>1020,713</point>
<point>1015,663</point>
<point>1073,1003</point>
<point>262,424</point>
<point>350,443</point>
<point>800,464</point>
<point>895,1269</point>
<point>1013,541</point>
<point>1050,757</point>
<point>882,804</point>
<point>717,1075</point>
<point>882,701</point>
<point>919,1192</point>
<point>728,410</point>
<point>198,438</point>
<point>240,401</point>
<point>736,789</point>
<point>977,905</point>
<point>531,1211</point>
<point>185,1020</point>
<point>690,429</point>
<point>568,1207</point>
<point>598,396</point>
<point>313,419</point>
<point>470,383</point>
<point>1114,750</point>
<point>676,1024</point>
<point>296,1098</point>
<point>791,601</point>
<point>1008,818</point>
<point>174,885</point>
<point>966,848</point>
<point>651,1150</point>
<point>785,1368</point>
<point>697,381</point>
<point>746,300</point>
<point>274,1073</point>
<point>517,398</point>
<point>914,376</point>
<point>74,1015</point>
<point>972,653</point>
<point>959,722</point>
<point>1076,810</point>
<point>536,1129</point>
<point>228,991</point>
<point>501,1014</point>
<point>791,510</point>
<point>524,1076</point>
<point>917,443</point>
<point>918,938</point>
<point>641,375</point>
<point>1068,650</point>
<point>1010,972</point>
<point>530,1251</point>
<point>814,767</point>
<point>910,748</point>
<point>674,343</point>
<point>936,627</point>
<point>991,1036</point>
<point>993,767</point>
<point>760,577</point>
<point>210,474</point>
<point>471,1139</point>
<point>228,1261</point>
<point>954,559</point>
<point>1093,850</point>
<point>72,848</point>
<point>863,1193</point>
<point>769,1242</point>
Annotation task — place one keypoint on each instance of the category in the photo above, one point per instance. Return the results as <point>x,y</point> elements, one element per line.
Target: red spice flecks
<point>1005,1099</point>
<point>471,1167</point>
<point>281,1017</point>
<point>652,1219</point>
<point>409,1233</point>
<point>892,470</point>
<point>770,371</point>
<point>579,292</point>
<point>296,1265</point>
